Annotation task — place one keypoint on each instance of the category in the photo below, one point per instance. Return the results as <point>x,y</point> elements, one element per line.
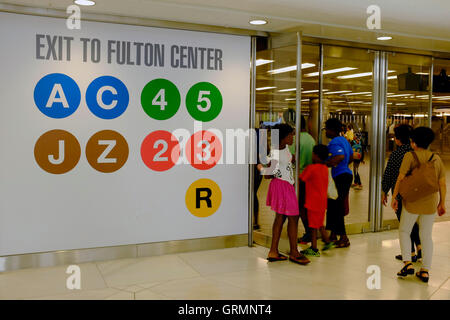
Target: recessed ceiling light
<point>264,88</point>
<point>291,68</point>
<point>258,22</point>
<point>260,62</point>
<point>383,38</point>
<point>335,92</point>
<point>85,2</point>
<point>315,74</point>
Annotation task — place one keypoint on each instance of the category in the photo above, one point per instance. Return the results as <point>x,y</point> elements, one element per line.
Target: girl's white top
<point>281,162</point>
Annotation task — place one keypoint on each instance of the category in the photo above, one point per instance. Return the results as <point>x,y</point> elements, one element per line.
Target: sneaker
<point>328,246</point>
<point>305,239</point>
<point>311,252</point>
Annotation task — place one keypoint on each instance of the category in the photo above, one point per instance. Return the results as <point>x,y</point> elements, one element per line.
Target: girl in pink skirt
<point>281,196</point>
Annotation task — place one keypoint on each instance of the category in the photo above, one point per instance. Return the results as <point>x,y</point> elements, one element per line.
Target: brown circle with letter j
<point>57,151</point>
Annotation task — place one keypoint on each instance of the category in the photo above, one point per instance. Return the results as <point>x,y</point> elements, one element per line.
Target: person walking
<point>315,177</point>
<point>402,134</point>
<point>424,205</point>
<point>358,158</point>
<point>341,155</point>
<point>307,144</point>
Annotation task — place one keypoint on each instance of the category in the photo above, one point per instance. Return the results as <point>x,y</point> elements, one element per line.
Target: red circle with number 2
<point>160,150</point>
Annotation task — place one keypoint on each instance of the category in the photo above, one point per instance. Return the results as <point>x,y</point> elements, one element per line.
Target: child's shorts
<point>315,218</point>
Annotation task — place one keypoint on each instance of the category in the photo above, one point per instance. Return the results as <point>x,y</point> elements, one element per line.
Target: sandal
<point>342,244</point>
<point>406,271</point>
<point>301,259</point>
<point>279,258</point>
<point>421,277</point>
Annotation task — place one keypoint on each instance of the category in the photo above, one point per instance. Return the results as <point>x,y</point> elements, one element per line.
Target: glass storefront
<point>347,86</point>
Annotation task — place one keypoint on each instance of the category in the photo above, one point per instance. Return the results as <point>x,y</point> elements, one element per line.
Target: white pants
<point>425,222</point>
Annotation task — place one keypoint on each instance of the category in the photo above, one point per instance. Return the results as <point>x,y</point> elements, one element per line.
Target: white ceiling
<point>429,19</point>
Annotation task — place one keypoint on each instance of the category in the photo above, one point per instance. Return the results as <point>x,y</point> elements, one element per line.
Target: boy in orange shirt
<point>315,177</point>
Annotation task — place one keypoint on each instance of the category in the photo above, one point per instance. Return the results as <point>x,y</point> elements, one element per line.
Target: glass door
<point>276,81</point>
<point>408,103</point>
<point>441,119</point>
<point>348,76</point>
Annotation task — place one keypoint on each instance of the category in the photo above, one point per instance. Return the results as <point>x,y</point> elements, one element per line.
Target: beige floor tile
<point>132,289</point>
<point>147,294</point>
<point>39,282</point>
<point>446,285</point>
<point>148,285</point>
<point>143,270</point>
<point>441,294</point>
<point>121,295</point>
<point>276,284</point>
<point>225,260</point>
<point>206,289</point>
<point>83,295</point>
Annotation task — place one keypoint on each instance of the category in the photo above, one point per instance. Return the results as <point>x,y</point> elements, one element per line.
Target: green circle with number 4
<point>160,99</point>
<point>204,101</point>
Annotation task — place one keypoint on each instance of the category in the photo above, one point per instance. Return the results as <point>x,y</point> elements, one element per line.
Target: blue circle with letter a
<point>57,95</point>
<point>107,97</point>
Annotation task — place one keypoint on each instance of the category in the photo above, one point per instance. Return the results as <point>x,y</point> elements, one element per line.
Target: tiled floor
<point>244,273</point>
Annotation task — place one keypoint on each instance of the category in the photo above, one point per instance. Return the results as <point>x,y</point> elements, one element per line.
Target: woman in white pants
<point>422,210</point>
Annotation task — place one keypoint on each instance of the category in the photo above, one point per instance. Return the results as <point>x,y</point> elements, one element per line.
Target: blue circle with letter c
<point>57,95</point>
<point>107,97</point>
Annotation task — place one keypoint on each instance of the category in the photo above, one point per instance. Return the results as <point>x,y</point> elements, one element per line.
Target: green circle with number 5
<point>160,99</point>
<point>204,101</point>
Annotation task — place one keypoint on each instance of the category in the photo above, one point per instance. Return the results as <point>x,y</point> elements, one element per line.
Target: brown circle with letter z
<point>107,151</point>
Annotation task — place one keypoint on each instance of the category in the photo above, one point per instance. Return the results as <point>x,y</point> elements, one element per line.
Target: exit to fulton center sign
<point>88,151</point>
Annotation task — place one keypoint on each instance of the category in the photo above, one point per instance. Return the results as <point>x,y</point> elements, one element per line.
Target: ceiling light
<point>85,2</point>
<point>315,74</point>
<point>358,75</point>
<point>287,90</point>
<point>423,73</point>
<point>383,38</point>
<point>356,93</point>
<point>400,104</point>
<point>400,95</point>
<point>313,91</point>
<point>355,75</point>
<point>392,77</point>
<point>260,62</point>
<point>356,102</point>
<point>264,88</point>
<point>258,22</point>
<point>334,92</point>
<point>291,68</point>
<point>337,101</point>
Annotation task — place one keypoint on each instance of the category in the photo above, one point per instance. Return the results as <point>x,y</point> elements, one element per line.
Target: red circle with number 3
<point>160,150</point>
<point>203,150</point>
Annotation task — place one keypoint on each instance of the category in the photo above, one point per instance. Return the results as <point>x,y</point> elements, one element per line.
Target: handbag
<point>332,191</point>
<point>420,182</point>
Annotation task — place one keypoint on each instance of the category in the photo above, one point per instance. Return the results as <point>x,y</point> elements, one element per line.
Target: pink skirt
<point>281,197</point>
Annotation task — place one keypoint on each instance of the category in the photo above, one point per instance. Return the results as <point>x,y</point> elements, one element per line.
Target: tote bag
<point>332,191</point>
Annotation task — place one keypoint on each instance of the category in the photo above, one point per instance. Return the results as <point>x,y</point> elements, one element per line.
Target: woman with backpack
<point>421,183</point>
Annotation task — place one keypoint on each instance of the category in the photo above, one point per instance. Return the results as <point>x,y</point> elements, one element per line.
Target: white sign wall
<point>86,118</point>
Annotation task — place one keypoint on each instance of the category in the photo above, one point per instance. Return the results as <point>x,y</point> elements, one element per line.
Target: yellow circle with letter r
<point>203,198</point>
